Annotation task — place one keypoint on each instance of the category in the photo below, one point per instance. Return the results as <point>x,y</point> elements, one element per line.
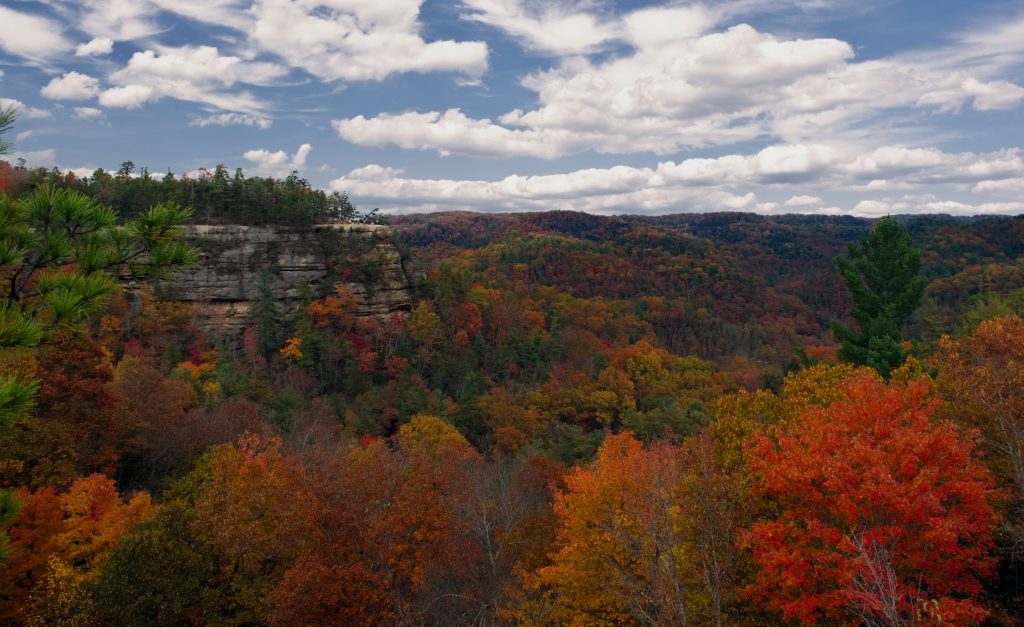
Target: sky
<point>859,107</point>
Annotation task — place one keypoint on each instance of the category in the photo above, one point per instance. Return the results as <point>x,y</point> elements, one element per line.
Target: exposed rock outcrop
<point>304,263</point>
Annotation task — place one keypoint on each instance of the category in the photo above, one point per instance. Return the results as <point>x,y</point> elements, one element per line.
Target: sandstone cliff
<point>303,262</point>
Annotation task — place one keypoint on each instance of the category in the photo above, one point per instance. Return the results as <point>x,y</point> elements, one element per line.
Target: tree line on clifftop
<point>216,196</point>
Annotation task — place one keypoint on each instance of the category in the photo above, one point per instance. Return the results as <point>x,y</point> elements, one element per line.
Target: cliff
<point>303,262</point>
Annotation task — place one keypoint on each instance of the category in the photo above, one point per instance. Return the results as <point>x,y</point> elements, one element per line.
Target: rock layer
<point>304,263</point>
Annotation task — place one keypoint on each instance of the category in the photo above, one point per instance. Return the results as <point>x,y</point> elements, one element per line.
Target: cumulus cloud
<point>611,190</point>
<point>693,90</point>
<point>24,111</point>
<point>994,95</point>
<point>1007,187</point>
<point>803,200</point>
<point>30,36</point>
<point>358,40</point>
<point>197,74</point>
<point>96,47</point>
<point>454,132</point>
<point>330,39</point>
<point>72,86</point>
<point>88,113</point>
<point>911,205</point>
<point>127,97</point>
<point>687,80</point>
<point>231,119</point>
<point>730,182</point>
<point>279,163</point>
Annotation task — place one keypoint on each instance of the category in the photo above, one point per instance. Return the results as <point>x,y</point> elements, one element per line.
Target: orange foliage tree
<point>393,541</point>
<point>982,377</point>
<point>254,513</point>
<point>632,532</point>
<point>95,517</point>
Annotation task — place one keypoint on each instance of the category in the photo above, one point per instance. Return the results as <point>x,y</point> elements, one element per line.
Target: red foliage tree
<point>884,512</point>
<point>77,426</point>
<point>32,538</point>
<point>467,317</point>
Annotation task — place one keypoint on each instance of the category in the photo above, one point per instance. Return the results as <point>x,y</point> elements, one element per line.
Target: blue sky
<point>866,107</point>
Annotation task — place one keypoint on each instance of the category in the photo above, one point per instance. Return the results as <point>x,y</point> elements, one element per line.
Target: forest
<point>697,419</point>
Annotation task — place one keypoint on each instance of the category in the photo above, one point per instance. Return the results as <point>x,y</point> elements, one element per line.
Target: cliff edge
<point>304,263</point>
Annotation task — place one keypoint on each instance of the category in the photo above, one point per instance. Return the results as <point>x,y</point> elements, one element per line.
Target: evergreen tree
<point>57,229</point>
<point>882,273</point>
<point>268,316</point>
<point>7,118</point>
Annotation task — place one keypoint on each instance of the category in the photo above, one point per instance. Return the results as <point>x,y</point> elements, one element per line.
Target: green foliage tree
<point>988,306</point>
<point>215,196</point>
<point>882,273</point>
<point>9,509</point>
<point>268,315</point>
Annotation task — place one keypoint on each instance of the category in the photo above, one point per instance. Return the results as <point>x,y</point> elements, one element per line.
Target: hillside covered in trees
<point>737,288</point>
<point>582,420</point>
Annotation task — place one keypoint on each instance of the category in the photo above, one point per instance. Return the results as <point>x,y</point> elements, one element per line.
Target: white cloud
<point>730,182</point>
<point>278,164</point>
<point>88,113</point>
<point>1008,187</point>
<point>96,47</point>
<point>917,166</point>
<point>452,131</point>
<point>231,119</point>
<point>128,97</point>
<point>30,36</point>
<point>24,111</point>
<point>37,158</point>
<point>358,40</point>
<point>22,136</point>
<point>803,201</point>
<point>611,190</point>
<point>331,39</point>
<point>119,20</point>
<point>197,74</point>
<point>81,172</point>
<point>230,13</point>
<point>687,81</point>
<point>659,25</point>
<point>116,20</point>
<point>910,205</point>
<point>71,86</point>
<point>994,95</point>
<point>546,26</point>
<point>668,94</point>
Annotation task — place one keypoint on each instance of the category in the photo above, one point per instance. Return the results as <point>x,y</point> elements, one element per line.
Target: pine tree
<point>882,273</point>
<point>7,118</point>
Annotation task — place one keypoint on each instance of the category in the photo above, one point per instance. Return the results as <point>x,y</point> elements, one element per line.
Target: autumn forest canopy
<point>694,419</point>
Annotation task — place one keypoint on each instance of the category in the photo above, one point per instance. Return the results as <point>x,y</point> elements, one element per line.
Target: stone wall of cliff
<point>303,262</point>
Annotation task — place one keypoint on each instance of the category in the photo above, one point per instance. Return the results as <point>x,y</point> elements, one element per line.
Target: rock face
<point>304,263</point>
